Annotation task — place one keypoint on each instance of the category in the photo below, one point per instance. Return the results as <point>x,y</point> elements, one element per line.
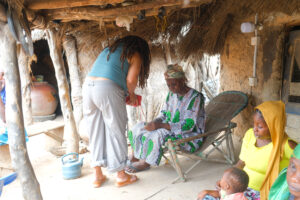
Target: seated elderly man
<point>182,116</point>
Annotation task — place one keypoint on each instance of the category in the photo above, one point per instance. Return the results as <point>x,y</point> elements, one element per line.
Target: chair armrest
<point>209,133</point>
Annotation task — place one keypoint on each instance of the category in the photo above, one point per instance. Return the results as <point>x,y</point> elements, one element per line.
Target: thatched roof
<point>192,27</point>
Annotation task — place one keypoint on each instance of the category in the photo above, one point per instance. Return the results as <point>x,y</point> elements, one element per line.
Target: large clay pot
<point>43,99</point>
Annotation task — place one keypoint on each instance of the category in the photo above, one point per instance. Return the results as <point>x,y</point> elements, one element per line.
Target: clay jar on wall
<point>43,99</point>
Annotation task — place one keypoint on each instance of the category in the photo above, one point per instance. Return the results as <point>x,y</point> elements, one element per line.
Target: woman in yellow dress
<point>266,149</point>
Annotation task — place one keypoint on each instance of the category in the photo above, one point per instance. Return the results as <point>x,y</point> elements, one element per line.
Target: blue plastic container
<point>71,167</point>
<point>7,180</point>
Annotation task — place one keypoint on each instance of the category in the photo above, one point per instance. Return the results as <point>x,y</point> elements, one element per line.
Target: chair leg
<point>175,160</point>
<point>230,147</point>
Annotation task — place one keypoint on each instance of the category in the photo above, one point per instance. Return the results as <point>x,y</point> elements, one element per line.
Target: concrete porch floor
<point>153,184</point>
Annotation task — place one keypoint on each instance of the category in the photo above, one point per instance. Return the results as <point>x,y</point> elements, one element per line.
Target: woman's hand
<point>240,164</point>
<point>133,100</point>
<point>292,144</point>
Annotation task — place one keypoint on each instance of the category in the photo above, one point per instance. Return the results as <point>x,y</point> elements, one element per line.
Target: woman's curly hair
<point>132,44</point>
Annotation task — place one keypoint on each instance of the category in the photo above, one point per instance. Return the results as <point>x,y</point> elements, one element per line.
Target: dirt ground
<point>154,184</point>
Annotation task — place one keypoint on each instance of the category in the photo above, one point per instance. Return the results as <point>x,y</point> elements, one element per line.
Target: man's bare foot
<point>133,159</point>
<point>137,167</point>
<point>124,179</point>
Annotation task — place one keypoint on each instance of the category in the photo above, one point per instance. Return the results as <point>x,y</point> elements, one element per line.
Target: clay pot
<point>43,99</point>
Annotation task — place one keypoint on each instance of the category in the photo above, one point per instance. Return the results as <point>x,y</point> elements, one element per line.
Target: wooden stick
<point>94,12</point>
<point>175,160</point>
<point>55,4</point>
<point>178,142</point>
<point>69,45</point>
<point>15,124</point>
<point>70,132</point>
<point>25,83</point>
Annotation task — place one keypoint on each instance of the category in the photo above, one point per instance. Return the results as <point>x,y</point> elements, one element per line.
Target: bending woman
<point>114,74</point>
<point>182,116</point>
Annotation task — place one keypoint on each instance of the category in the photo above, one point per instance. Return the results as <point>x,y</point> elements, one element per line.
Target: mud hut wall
<point>237,67</point>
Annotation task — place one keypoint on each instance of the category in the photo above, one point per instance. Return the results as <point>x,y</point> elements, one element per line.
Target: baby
<point>231,187</point>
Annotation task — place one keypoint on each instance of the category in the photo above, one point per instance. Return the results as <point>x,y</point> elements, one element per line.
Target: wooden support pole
<point>71,138</point>
<point>14,118</point>
<point>69,45</point>
<point>23,61</point>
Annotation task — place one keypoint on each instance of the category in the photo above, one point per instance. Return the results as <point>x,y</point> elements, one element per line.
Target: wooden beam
<point>90,13</point>
<point>71,137</point>
<point>14,120</point>
<point>55,4</point>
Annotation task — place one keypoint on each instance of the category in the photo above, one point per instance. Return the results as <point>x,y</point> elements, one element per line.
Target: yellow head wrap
<point>275,117</point>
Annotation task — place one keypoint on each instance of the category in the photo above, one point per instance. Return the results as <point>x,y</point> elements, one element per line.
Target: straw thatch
<point>201,27</point>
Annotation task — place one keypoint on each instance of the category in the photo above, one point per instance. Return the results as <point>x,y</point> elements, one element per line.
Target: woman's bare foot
<point>98,182</point>
<point>99,177</point>
<point>139,166</point>
<point>124,179</point>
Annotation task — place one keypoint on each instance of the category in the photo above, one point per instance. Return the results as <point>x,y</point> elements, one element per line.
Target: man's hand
<point>152,126</point>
